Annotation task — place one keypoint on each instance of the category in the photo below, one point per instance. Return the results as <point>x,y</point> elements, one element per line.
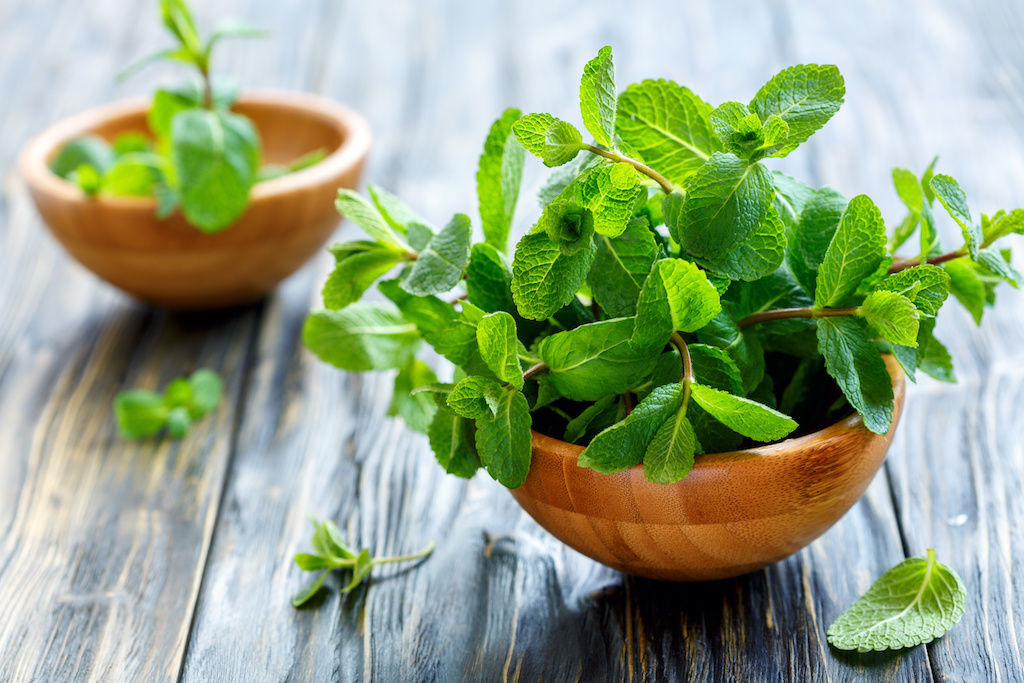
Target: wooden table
<point>172,560</point>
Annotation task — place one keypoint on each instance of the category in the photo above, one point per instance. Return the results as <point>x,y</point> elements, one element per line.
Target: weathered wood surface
<point>164,560</point>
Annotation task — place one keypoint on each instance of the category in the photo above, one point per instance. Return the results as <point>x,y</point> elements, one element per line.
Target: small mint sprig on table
<point>674,296</point>
<point>141,413</point>
<point>915,602</point>
<point>330,553</point>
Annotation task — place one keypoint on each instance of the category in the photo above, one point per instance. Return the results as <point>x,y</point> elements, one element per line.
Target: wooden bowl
<point>735,512</point>
<point>170,263</point>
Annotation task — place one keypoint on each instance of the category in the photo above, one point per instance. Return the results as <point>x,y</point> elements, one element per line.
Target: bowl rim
<point>353,149</point>
<point>848,427</point>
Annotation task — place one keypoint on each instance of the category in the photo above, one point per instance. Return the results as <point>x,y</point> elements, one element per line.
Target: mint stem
<point>934,260</point>
<point>783,313</point>
<point>643,168</point>
<point>687,377</point>
<point>406,558</point>
<point>535,370</point>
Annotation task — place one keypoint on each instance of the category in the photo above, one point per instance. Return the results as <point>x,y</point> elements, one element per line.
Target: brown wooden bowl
<point>170,263</point>
<point>735,512</point>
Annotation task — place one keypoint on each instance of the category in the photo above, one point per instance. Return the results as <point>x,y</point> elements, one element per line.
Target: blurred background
<point>149,561</point>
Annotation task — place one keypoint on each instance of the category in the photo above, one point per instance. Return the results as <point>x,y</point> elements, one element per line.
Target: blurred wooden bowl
<point>170,263</point>
<point>735,512</point>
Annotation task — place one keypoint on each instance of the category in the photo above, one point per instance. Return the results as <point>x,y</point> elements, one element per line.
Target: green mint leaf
<point>995,262</point>
<point>579,425</point>
<point>813,232</point>
<point>178,20</point>
<point>953,198</point>
<point>135,175</point>
<point>568,225</point>
<point>908,187</point>
<point>726,200</point>
<point>564,176</point>
<point>791,196</point>
<point>743,348</point>
<point>457,342</point>
<point>776,134</point>
<point>926,181</point>
<point>929,238</point>
<point>504,440</point>
<point>88,180</point>
<point>364,563</point>
<point>356,271</point>
<point>530,131</point>
<point>624,443</point>
<point>915,602</point>
<point>725,119</point>
<point>804,96</point>
<point>440,265</point>
<point>417,410</point>
<point>594,360</point>
<point>544,278</point>
<point>90,150</point>
<point>676,296</point>
<point>307,593</point>
<point>369,218</point>
<point>429,314</point>
<point>361,337</point>
<point>966,286</point>
<point>926,286</point>
<point>474,397</point>
<point>932,356</point>
<point>669,456</point>
<point>233,28</point>
<point>620,267</point>
<point>498,178</point>
<point>488,279</point>
<point>452,439</point>
<point>760,255</point>
<point>746,417</point>
<point>139,413</point>
<point>334,541</point>
<point>668,127</point>
<point>178,422</point>
<point>893,316</point>
<point>401,217</point>
<point>206,389</point>
<point>1005,224</point>
<point>311,563</point>
<point>598,97</point>
<point>714,367</point>
<point>854,254</point>
<point>499,347</point>
<point>855,364</point>
<point>554,141</point>
<point>178,393</point>
<point>612,193</point>
<point>216,157</point>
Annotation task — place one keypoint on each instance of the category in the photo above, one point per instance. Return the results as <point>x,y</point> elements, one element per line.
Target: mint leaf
<point>676,296</point>
<point>568,225</point>
<point>669,456</point>
<point>804,96</point>
<point>612,193</point>
<point>760,255</point>
<point>581,424</point>
<point>953,198</point>
<point>893,316</point>
<point>932,356</point>
<point>439,266</point>
<point>361,337</point>
<point>544,278</point>
<point>356,271</point>
<point>498,178</point>
<point>726,200</point>
<point>416,409</point>
<point>139,413</point>
<point>452,439</point>
<point>668,126</point>
<point>216,157</point>
<point>855,364</point>
<point>714,367</point>
<point>620,267</point>
<point>1005,224</point>
<point>499,347</point>
<point>206,389</point>
<point>742,415</point>
<point>913,603</point>
<point>400,217</point>
<point>855,252</point>
<point>908,187</point>
<point>457,342</point>
<point>791,197</point>
<point>966,286</point>
<point>554,141</point>
<point>594,360</point>
<point>997,263</point>
<point>364,214</point>
<point>504,440</point>
<point>429,314</point>
<point>743,348</point>
<point>926,286</point>
<point>178,422</point>
<point>474,397</point>
<point>90,150</point>
<point>624,443</point>
<point>488,279</point>
<point>598,97</point>
<point>816,226</point>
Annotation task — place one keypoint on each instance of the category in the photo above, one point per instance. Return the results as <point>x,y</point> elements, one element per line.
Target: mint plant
<point>141,413</point>
<point>675,296</point>
<point>201,158</point>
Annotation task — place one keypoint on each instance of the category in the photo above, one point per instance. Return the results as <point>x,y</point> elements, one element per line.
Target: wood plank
<point>105,541</point>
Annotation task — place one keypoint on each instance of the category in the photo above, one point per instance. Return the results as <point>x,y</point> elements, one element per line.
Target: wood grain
<point>126,561</point>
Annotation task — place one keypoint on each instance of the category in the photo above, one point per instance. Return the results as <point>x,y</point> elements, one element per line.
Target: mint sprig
<point>141,413</point>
